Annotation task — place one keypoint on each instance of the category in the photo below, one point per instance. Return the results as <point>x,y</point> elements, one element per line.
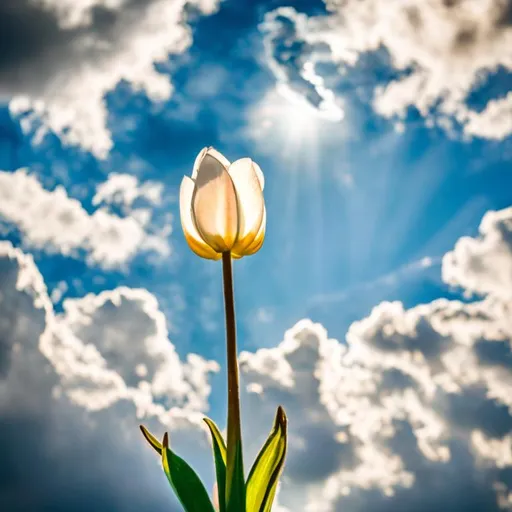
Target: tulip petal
<point>219,157</point>
<point>192,236</point>
<point>214,205</point>
<point>255,246</point>
<point>197,162</point>
<point>250,202</point>
<point>260,175</point>
<point>213,153</point>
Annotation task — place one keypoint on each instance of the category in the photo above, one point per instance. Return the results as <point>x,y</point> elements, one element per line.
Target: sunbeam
<point>287,125</point>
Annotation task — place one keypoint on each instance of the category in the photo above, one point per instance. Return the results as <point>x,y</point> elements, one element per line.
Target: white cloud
<point>125,189</point>
<point>72,391</point>
<point>484,264</point>
<point>494,122</point>
<point>129,332</point>
<point>52,220</point>
<point>297,77</point>
<point>84,50</point>
<point>442,50</point>
<point>497,451</point>
<point>410,408</point>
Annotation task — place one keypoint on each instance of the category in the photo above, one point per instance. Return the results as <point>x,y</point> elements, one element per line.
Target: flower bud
<point>222,207</point>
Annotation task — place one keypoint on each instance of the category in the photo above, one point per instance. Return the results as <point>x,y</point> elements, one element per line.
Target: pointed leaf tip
<point>281,418</point>
<point>151,439</point>
<point>264,475</point>
<point>184,481</point>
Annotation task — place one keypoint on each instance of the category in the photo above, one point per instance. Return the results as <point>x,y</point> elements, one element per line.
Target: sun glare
<point>294,131</point>
<point>286,124</point>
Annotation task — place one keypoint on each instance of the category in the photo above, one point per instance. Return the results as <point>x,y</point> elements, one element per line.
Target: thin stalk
<point>234,424</point>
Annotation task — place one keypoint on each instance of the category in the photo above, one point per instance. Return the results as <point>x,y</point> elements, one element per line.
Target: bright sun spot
<point>284,123</point>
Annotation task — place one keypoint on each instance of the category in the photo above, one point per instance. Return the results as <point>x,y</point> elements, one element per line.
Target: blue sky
<point>384,133</point>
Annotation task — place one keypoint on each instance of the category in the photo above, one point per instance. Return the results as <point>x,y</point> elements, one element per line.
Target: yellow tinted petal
<point>255,246</point>
<point>250,202</point>
<point>192,236</point>
<point>214,205</point>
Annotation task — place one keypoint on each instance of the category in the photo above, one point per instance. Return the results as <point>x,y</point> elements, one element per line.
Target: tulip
<point>222,208</point>
<point>223,217</point>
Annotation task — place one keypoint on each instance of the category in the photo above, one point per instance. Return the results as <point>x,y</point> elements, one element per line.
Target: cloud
<point>146,370</point>
<point>494,122</point>
<point>72,393</point>
<point>103,348</point>
<point>413,410</point>
<point>439,52</point>
<point>62,58</point>
<point>51,220</point>
<point>284,32</point>
<point>125,189</point>
<point>484,264</point>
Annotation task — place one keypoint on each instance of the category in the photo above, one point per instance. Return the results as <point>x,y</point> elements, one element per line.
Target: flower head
<point>222,207</point>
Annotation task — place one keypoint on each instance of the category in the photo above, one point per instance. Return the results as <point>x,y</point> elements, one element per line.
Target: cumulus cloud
<point>61,58</point>
<point>52,220</point>
<point>495,121</point>
<point>72,393</point>
<point>412,411</point>
<point>104,348</point>
<point>125,189</point>
<point>484,264</point>
<point>142,361</point>
<point>439,51</point>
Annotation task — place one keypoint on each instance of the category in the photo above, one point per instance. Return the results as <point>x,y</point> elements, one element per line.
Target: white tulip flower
<point>222,208</point>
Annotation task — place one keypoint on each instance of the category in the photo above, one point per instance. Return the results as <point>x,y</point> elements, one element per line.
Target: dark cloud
<point>57,456</point>
<point>504,18</point>
<point>497,352</point>
<point>316,441</point>
<point>36,45</point>
<point>475,409</point>
<point>27,33</point>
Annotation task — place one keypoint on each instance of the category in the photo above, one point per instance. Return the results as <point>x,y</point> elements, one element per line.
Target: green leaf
<point>183,479</point>
<point>265,472</point>
<point>151,439</point>
<point>235,495</point>
<point>219,452</point>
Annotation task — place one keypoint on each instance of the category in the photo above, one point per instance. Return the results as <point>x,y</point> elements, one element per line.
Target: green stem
<point>234,425</point>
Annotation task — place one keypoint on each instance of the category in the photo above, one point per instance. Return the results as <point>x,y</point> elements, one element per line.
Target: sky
<point>378,311</point>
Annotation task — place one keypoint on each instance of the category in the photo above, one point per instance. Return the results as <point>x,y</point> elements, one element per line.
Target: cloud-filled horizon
<point>378,312</point>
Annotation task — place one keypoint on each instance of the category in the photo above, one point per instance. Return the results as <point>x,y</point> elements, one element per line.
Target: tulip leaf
<point>219,453</point>
<point>265,472</point>
<point>185,482</point>
<point>151,439</point>
<point>235,483</point>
